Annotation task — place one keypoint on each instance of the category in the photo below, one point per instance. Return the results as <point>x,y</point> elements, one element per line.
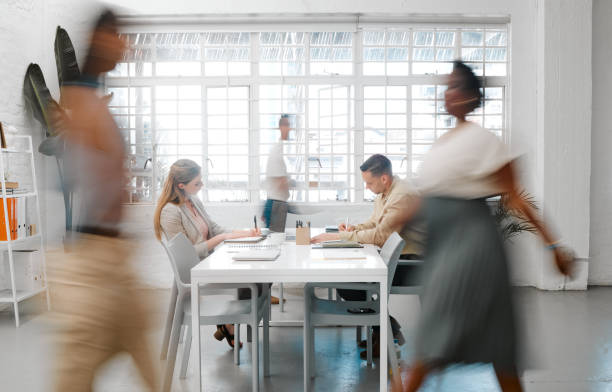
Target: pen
<point>255,221</point>
<point>346,224</point>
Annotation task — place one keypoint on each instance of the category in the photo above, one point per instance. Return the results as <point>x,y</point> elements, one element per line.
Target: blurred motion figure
<point>100,311</point>
<point>467,308</point>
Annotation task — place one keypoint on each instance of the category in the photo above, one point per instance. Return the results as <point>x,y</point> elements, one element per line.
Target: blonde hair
<point>181,172</point>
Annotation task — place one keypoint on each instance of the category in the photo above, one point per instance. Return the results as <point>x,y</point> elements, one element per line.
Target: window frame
<point>357,81</point>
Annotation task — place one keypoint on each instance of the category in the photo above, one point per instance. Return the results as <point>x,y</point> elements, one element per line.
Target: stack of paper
<point>257,255</point>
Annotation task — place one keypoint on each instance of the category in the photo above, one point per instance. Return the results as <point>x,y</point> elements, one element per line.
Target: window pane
<point>423,38</point>
<point>373,37</point>
<point>471,38</point>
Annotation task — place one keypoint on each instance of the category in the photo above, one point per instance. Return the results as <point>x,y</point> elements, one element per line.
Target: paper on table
<point>257,255</point>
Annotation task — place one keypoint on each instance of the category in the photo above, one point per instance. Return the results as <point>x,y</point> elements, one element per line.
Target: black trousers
<point>405,275</point>
<point>245,293</point>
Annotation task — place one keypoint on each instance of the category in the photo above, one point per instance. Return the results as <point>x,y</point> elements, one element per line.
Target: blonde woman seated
<point>179,210</point>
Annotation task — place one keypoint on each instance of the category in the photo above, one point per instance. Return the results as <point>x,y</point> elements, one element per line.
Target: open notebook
<point>245,240</point>
<point>257,255</point>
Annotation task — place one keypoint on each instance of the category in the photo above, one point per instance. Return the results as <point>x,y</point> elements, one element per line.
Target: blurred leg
<point>81,349</point>
<point>416,375</point>
<point>166,338</point>
<point>509,381</point>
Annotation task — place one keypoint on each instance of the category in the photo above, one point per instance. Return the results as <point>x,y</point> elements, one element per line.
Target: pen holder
<point>302,236</point>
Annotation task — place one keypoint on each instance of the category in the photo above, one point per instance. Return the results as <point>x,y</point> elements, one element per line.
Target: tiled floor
<point>568,338</point>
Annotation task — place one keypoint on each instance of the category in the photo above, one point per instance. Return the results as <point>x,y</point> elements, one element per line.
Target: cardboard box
<point>302,236</point>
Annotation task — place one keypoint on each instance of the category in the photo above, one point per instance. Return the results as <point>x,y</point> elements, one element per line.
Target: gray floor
<point>568,336</point>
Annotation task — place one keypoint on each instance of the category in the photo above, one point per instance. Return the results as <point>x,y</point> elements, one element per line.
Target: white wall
<point>27,34</point>
<point>600,269</point>
<point>564,126</point>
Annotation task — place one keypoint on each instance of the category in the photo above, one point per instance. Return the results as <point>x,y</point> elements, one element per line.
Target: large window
<point>216,98</point>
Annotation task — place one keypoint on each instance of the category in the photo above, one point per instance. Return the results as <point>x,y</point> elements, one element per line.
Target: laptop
<point>278,216</point>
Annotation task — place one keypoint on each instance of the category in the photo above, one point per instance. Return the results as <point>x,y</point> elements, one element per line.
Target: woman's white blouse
<point>461,164</point>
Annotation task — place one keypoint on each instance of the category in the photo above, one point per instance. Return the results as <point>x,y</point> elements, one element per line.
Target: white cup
<point>276,238</point>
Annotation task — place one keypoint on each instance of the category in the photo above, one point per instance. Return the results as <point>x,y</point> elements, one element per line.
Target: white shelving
<point>6,295</point>
<point>13,295</point>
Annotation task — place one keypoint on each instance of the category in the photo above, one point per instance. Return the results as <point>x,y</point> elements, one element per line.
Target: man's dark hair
<point>378,165</point>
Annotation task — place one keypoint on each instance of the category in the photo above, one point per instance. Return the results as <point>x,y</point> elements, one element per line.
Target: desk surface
<point>296,263</point>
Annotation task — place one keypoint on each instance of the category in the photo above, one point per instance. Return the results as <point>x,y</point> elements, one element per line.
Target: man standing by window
<point>277,181</point>
<point>277,185</point>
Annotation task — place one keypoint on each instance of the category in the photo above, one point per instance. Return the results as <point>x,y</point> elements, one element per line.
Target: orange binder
<point>14,220</point>
<point>11,211</point>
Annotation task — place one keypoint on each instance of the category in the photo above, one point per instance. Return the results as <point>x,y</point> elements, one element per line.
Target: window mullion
<point>307,122</point>
<point>358,128</point>
<point>204,121</point>
<point>254,176</point>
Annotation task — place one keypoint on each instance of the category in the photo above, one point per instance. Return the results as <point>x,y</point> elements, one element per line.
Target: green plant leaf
<point>511,221</point>
<point>65,58</point>
<point>37,95</point>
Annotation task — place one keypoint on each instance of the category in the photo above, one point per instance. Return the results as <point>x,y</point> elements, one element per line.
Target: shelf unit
<point>12,295</point>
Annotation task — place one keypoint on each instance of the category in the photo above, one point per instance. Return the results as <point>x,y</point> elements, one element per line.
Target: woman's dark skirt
<point>467,309</point>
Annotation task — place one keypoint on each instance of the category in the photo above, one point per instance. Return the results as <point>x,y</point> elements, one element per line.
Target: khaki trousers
<point>100,312</point>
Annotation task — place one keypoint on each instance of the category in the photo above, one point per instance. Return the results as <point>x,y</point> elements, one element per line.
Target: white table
<point>297,264</point>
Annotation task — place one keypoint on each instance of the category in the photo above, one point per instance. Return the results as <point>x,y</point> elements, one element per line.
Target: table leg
<point>195,323</point>
<point>384,319</point>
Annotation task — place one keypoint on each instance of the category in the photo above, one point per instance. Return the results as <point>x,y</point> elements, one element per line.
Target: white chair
<point>318,311</point>
<point>214,310</point>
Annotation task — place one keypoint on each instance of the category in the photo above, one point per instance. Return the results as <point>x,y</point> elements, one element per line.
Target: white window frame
<point>357,80</point>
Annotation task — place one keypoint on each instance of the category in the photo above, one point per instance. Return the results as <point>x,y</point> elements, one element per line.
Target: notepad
<point>257,255</point>
<point>337,244</point>
<point>245,240</point>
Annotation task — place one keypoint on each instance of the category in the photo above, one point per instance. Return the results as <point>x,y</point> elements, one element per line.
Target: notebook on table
<point>245,240</point>
<point>257,255</point>
<point>337,244</point>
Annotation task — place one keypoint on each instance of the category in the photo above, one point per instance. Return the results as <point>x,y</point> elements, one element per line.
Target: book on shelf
<point>16,191</point>
<point>11,185</point>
